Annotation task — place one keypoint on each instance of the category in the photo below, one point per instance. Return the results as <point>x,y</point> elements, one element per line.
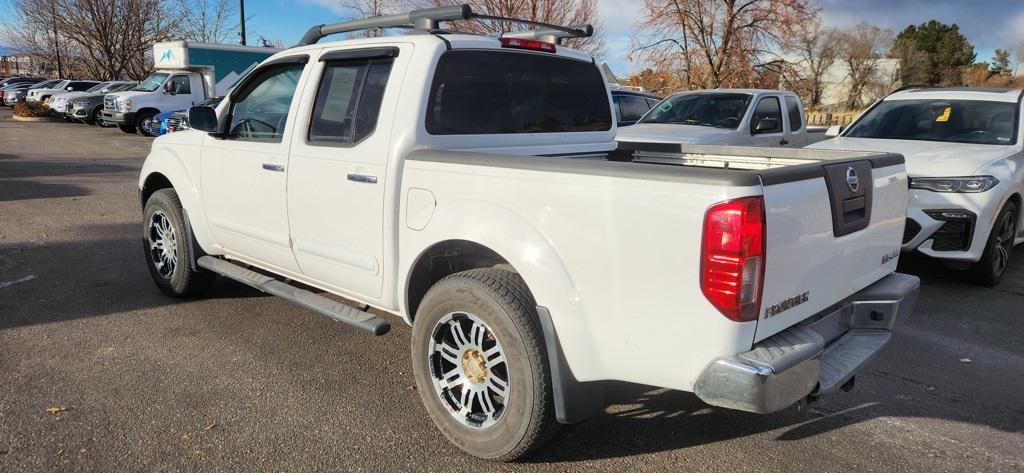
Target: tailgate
<point>832,229</point>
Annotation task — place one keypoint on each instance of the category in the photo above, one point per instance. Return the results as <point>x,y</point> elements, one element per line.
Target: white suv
<point>964,156</point>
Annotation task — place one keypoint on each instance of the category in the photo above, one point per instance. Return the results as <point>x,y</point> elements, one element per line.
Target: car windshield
<point>151,83</point>
<point>98,87</point>
<point>43,85</point>
<point>719,110</point>
<point>954,121</point>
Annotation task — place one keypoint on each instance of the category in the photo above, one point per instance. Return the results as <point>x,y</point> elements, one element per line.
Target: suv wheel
<point>996,258</point>
<point>481,365</point>
<point>168,254</point>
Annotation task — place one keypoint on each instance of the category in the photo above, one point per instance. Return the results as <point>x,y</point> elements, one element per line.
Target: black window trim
<point>359,54</point>
<point>368,57</point>
<point>251,76</point>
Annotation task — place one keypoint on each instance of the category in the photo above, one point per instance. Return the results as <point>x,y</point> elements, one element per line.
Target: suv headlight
<point>124,105</point>
<point>969,184</point>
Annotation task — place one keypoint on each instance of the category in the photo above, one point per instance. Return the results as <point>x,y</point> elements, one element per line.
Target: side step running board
<point>319,304</point>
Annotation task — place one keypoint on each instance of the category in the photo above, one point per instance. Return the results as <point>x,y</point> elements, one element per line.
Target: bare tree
<point>863,47</point>
<point>815,50</point>
<point>106,39</point>
<point>716,43</point>
<point>370,8</point>
<point>208,21</point>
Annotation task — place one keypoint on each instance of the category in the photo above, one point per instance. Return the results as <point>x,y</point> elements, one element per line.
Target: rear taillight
<point>732,257</point>
<point>529,44</point>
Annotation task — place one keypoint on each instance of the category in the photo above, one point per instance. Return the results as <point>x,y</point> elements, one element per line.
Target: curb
<point>31,119</point>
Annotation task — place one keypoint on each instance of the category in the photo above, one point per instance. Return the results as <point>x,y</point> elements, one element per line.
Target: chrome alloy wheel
<point>1005,232</point>
<point>468,369</point>
<point>163,247</point>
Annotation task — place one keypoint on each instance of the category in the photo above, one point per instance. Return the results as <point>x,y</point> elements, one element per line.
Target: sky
<point>988,24</point>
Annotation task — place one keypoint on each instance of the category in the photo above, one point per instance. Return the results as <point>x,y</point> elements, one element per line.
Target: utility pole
<point>241,13</point>
<point>56,43</point>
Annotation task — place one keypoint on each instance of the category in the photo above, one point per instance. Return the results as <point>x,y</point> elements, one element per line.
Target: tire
<point>994,261</point>
<point>94,116</point>
<point>141,122</point>
<point>169,265</point>
<point>127,128</point>
<point>499,302</point>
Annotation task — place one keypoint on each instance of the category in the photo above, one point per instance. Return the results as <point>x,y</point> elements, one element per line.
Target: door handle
<point>273,167</point>
<point>783,142</point>
<point>362,178</point>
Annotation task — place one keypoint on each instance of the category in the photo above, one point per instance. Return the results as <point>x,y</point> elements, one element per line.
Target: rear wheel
<point>168,254</point>
<point>481,365</point>
<point>996,258</point>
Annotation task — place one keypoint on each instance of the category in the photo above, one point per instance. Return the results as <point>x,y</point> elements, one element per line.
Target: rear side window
<point>348,100</point>
<point>767,109</point>
<point>504,92</point>
<point>795,118</point>
<point>630,107</point>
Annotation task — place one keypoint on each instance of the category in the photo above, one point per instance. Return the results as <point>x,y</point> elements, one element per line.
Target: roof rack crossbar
<point>548,33</point>
<point>428,19</point>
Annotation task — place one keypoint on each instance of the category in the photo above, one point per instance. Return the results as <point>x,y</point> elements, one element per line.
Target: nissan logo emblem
<point>852,181</point>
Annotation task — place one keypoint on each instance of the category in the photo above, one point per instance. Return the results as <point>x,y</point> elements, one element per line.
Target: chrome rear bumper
<point>815,357</point>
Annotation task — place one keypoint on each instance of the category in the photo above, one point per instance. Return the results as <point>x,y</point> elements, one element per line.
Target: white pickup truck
<point>736,117</point>
<point>471,186</point>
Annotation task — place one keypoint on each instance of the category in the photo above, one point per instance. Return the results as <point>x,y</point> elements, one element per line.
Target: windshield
<point>954,121</point>
<point>719,110</point>
<point>151,83</point>
<point>43,85</point>
<point>98,87</point>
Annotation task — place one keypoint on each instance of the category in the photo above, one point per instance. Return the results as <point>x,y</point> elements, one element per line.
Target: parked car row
<point>963,152</point>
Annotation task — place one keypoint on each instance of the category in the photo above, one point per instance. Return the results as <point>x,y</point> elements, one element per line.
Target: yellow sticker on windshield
<point>945,115</point>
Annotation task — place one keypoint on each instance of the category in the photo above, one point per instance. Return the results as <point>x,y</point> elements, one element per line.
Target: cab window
<point>767,109</point>
<point>795,117</point>
<point>348,100</point>
<point>180,85</point>
<point>259,110</point>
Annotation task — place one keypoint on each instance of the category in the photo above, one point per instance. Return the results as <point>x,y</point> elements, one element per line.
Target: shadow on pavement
<point>12,190</point>
<point>80,279</point>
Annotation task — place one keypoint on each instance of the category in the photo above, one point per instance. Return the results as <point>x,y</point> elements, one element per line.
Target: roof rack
<point>429,19</point>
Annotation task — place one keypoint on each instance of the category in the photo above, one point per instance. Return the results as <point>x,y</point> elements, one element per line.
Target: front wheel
<point>481,365</point>
<point>996,258</point>
<point>168,254</point>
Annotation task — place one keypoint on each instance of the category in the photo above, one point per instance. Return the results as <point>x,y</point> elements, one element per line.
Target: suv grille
<point>174,122</point>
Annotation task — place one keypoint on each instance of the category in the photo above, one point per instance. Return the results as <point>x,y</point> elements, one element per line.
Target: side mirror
<point>766,124</point>
<point>70,88</point>
<point>203,118</point>
<point>834,130</point>
<point>168,88</point>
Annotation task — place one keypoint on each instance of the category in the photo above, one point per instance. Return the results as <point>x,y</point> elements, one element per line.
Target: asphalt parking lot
<point>135,381</point>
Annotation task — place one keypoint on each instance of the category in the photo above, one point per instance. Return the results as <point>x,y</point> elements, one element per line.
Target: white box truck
<point>186,73</point>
